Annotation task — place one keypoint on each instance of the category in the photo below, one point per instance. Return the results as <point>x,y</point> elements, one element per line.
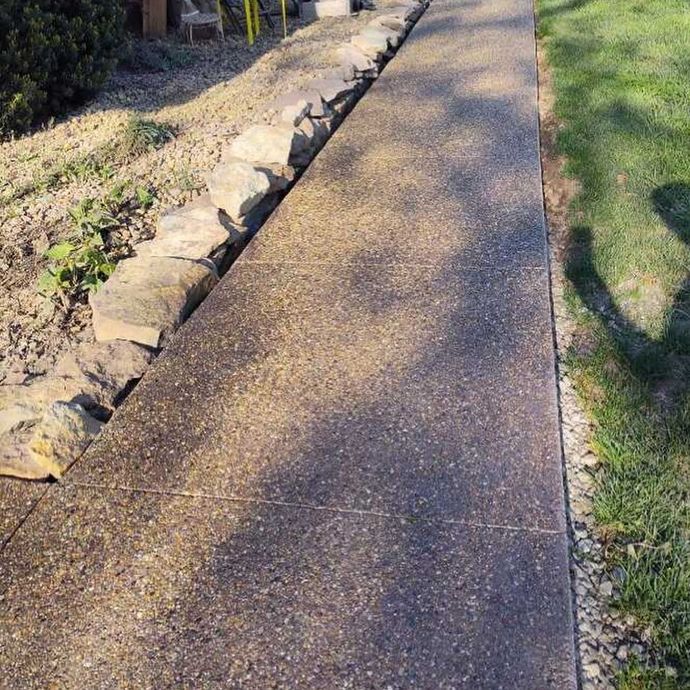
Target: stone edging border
<point>47,423</point>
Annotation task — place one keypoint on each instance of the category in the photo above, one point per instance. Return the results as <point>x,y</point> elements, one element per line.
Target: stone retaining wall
<point>46,424</point>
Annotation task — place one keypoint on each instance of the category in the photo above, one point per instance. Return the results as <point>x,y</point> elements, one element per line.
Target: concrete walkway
<point>345,472</point>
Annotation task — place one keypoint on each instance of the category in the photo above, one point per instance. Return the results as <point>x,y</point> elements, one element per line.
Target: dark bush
<point>53,54</point>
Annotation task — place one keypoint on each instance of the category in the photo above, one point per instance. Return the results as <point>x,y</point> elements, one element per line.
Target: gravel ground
<point>217,95</point>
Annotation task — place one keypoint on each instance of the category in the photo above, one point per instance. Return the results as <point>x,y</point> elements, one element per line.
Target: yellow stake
<point>283,4</point>
<point>249,16</point>
<point>257,26</point>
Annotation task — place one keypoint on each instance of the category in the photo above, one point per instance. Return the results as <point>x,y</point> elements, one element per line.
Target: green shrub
<point>53,54</point>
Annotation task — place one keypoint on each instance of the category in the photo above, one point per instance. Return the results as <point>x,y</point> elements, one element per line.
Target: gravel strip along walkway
<point>345,470</point>
<point>606,640</point>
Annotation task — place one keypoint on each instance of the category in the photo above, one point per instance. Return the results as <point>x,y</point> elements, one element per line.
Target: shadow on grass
<point>662,364</point>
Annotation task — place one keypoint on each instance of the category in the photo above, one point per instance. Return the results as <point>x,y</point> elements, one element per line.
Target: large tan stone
<point>16,459</point>
<point>407,11</point>
<point>194,231</point>
<point>92,374</point>
<point>62,435</point>
<point>349,55</point>
<point>375,30</point>
<point>371,42</point>
<point>92,377</point>
<point>331,89</point>
<point>279,176</point>
<point>391,21</point>
<point>317,131</point>
<point>148,297</point>
<point>96,374</point>
<point>237,187</point>
<point>294,113</point>
<point>291,98</point>
<point>267,144</point>
<point>47,447</point>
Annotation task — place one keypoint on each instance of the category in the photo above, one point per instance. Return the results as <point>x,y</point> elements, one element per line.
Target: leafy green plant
<point>92,217</point>
<point>81,263</point>
<point>145,197</point>
<point>141,136</point>
<point>75,266</point>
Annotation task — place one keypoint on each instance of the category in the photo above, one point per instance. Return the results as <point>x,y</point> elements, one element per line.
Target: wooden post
<point>155,14</point>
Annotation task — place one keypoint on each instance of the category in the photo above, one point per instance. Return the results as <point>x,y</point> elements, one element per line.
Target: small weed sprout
<point>145,197</point>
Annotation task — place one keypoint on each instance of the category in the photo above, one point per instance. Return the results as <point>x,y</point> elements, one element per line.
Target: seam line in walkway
<point>313,507</point>
<point>383,264</point>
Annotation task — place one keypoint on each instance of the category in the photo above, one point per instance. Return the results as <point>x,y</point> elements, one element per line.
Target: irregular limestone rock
<point>409,11</point>
<point>15,458</point>
<point>294,114</point>
<point>375,40</point>
<point>317,131</point>
<point>92,374</point>
<point>331,89</point>
<point>345,72</point>
<point>348,54</point>
<point>344,105</point>
<point>48,446</point>
<point>18,415</point>
<point>148,297</point>
<point>373,45</point>
<point>279,176</point>
<point>316,104</point>
<point>394,22</point>
<point>98,373</point>
<point>236,187</point>
<point>393,37</point>
<point>194,231</point>
<point>265,144</point>
<point>62,435</point>
<point>199,230</point>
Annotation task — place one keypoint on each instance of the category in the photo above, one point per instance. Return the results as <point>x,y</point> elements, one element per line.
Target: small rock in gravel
<point>236,187</point>
<point>592,670</point>
<point>606,588</point>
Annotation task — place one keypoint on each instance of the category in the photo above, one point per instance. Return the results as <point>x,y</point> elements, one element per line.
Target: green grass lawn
<point>621,75</point>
